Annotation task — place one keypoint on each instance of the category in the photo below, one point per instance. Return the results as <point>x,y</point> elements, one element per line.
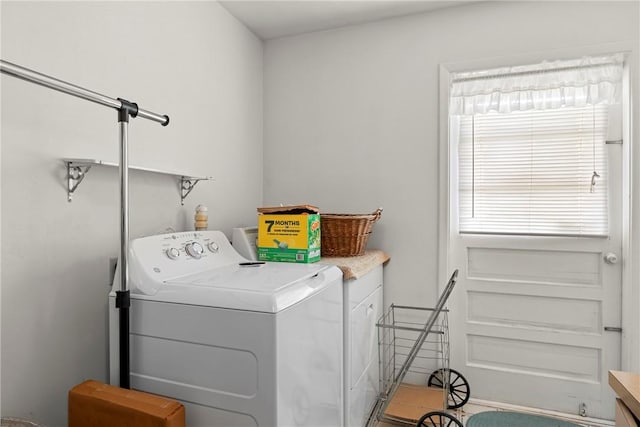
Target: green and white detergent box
<point>289,234</point>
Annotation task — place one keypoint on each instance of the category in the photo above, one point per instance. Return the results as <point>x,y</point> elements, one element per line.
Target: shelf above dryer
<point>78,168</point>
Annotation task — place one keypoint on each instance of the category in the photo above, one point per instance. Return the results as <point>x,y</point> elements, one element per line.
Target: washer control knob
<point>194,249</point>
<point>173,253</point>
<point>213,247</point>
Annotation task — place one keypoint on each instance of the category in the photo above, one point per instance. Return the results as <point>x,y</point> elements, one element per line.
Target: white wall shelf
<point>78,168</point>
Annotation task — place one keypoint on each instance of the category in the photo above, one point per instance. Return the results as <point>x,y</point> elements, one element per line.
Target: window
<point>532,161</point>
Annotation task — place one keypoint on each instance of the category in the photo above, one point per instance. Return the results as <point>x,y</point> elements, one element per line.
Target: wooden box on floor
<point>627,388</point>
<point>95,404</point>
<point>624,417</point>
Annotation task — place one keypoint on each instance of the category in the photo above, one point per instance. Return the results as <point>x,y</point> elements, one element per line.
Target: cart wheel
<point>438,419</point>
<point>459,391</point>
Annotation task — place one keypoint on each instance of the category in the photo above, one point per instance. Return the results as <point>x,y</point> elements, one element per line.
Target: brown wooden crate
<point>94,404</point>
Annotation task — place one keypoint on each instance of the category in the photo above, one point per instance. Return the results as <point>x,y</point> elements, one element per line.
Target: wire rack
<point>415,378</point>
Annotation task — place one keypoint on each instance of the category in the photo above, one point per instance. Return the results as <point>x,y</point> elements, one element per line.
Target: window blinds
<point>529,172</point>
<point>531,152</point>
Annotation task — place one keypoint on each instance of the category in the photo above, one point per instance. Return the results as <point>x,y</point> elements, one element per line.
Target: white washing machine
<point>238,343</point>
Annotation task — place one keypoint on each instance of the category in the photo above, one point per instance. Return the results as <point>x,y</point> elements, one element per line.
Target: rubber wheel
<point>459,391</point>
<point>438,419</point>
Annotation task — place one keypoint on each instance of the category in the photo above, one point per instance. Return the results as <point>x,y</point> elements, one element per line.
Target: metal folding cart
<point>416,384</point>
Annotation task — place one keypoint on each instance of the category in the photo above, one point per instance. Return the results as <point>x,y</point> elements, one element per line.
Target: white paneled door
<point>535,320</point>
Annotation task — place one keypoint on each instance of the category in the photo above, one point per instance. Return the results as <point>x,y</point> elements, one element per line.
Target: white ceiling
<point>270,19</point>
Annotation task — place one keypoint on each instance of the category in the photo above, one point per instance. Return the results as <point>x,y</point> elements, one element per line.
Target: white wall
<point>190,60</point>
<point>351,115</point>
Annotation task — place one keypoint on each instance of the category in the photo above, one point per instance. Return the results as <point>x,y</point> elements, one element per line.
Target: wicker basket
<point>346,234</point>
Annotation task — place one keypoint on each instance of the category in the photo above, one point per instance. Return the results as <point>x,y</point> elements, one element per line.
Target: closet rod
<point>125,110</point>
<point>71,89</point>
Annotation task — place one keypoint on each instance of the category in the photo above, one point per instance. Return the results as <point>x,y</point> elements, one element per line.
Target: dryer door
<point>364,357</point>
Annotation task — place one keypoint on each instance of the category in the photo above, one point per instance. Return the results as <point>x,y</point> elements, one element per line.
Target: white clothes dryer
<point>239,343</point>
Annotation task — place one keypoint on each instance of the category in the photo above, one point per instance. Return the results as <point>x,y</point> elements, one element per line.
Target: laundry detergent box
<point>289,234</point>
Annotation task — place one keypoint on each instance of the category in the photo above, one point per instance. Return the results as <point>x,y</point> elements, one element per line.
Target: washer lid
<point>269,287</point>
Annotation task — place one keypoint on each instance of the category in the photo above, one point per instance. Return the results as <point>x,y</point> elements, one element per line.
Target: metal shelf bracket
<point>186,185</point>
<point>75,175</point>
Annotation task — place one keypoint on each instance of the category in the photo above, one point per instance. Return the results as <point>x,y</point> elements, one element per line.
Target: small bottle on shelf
<point>202,218</point>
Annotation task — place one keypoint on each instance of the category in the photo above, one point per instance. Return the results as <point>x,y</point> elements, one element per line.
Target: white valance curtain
<point>549,85</point>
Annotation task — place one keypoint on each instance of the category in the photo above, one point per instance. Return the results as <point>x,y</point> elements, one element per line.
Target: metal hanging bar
<point>123,302</point>
<point>125,110</point>
<point>71,89</point>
